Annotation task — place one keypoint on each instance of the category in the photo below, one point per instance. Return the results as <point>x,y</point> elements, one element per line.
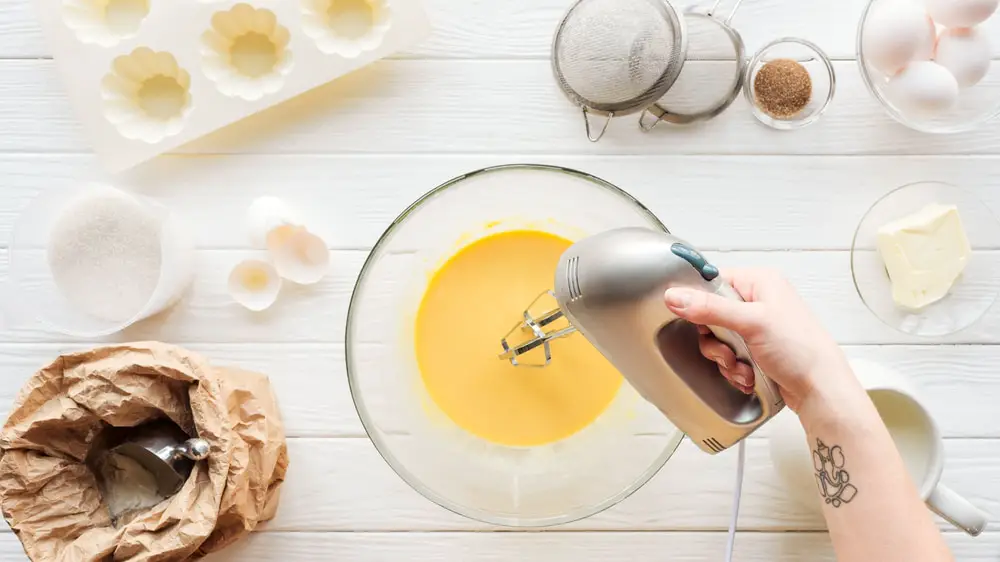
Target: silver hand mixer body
<point>611,289</point>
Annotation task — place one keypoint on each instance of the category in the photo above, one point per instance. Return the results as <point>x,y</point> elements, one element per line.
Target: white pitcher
<point>913,430</point>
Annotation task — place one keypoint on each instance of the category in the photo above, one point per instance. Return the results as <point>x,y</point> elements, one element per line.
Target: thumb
<point>710,309</point>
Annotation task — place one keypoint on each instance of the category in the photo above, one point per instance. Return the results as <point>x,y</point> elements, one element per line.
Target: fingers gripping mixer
<point>610,287</point>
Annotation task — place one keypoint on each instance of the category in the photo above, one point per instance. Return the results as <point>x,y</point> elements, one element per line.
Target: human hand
<point>786,341</point>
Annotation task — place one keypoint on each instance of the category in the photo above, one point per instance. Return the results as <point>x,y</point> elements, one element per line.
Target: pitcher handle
<point>957,510</point>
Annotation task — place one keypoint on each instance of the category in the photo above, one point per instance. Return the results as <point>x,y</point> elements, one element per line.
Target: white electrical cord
<point>737,493</point>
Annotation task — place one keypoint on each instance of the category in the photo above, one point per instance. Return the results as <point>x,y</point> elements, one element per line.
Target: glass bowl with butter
<point>926,259</point>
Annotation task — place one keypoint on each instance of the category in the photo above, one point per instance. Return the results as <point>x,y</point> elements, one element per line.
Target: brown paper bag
<point>50,498</point>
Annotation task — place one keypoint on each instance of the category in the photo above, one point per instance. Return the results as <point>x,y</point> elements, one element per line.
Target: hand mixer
<point>610,287</point>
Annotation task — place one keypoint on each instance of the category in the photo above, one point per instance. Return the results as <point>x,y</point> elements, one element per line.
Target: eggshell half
<point>254,284</point>
<point>299,255</point>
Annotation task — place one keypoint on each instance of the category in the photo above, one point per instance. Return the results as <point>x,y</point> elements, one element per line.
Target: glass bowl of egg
<point>476,434</point>
<point>930,62</point>
<point>926,258</point>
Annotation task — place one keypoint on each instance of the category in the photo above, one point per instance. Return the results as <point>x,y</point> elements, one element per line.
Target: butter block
<point>925,254</point>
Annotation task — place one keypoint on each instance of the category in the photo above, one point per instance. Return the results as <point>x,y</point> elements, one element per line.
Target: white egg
<point>966,54</point>
<point>923,88</point>
<point>961,13</point>
<point>896,33</point>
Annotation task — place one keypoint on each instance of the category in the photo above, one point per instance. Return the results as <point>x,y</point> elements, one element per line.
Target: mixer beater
<point>536,327</point>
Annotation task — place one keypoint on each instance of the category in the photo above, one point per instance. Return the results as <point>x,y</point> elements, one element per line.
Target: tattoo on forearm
<point>834,482</point>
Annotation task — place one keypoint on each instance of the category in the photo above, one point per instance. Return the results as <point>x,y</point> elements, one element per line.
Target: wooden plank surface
<point>344,485</point>
<point>518,29</point>
<point>959,383</point>
<point>319,313</point>
<point>540,547</point>
<point>476,106</point>
<point>716,202</point>
<point>692,492</point>
<point>479,92</point>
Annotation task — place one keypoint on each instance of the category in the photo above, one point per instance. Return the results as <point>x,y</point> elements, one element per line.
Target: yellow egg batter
<point>470,304</point>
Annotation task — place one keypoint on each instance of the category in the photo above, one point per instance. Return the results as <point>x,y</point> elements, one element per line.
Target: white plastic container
<point>146,76</point>
<point>36,296</point>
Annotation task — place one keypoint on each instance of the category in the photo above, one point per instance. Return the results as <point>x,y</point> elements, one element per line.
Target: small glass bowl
<point>971,296</point>
<point>809,55</point>
<point>976,106</point>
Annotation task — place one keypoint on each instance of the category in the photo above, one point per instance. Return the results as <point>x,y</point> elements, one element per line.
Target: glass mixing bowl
<point>976,105</point>
<point>512,486</point>
<point>971,296</point>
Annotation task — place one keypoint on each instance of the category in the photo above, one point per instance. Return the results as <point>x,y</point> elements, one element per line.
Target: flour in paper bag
<point>126,486</point>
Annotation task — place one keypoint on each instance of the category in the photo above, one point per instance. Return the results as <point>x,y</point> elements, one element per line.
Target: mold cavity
<point>254,54</point>
<point>246,52</point>
<point>351,19</point>
<point>161,97</point>
<point>125,16</point>
<point>346,27</point>
<point>147,95</point>
<point>105,22</point>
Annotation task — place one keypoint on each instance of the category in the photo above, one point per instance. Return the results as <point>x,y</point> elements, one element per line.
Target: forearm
<point>871,505</point>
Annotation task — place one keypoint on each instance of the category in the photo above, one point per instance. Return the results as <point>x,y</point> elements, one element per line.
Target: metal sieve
<point>662,111</point>
<point>616,57</point>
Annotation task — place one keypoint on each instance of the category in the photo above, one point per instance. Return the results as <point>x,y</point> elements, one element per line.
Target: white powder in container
<point>126,487</point>
<point>104,253</point>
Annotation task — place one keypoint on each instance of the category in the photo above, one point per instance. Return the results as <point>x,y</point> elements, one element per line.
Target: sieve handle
<point>660,113</point>
<point>656,113</point>
<point>604,129</point>
<point>732,13</point>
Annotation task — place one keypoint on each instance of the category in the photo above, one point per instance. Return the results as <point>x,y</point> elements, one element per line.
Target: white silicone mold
<point>146,76</point>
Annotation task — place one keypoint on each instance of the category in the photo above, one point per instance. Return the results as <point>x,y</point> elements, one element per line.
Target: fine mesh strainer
<point>616,57</point>
<point>703,92</point>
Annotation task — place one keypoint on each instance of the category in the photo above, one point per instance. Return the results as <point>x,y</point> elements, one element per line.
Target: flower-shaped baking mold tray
<point>146,76</point>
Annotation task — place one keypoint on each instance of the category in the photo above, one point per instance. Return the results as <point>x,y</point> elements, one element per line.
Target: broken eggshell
<point>299,255</point>
<point>254,284</point>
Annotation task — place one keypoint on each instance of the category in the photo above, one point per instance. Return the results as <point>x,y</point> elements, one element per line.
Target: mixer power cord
<point>737,493</point>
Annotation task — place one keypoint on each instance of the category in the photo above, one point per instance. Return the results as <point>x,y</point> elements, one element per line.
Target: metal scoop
<point>165,451</point>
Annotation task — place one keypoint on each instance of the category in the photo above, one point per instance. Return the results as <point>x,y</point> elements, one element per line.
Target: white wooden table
<point>479,92</point>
